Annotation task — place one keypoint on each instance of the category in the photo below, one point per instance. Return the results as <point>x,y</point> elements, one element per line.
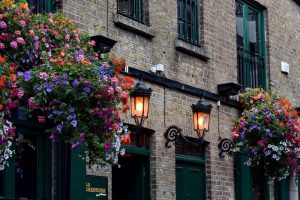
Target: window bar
<point>134,9</point>
<point>185,19</point>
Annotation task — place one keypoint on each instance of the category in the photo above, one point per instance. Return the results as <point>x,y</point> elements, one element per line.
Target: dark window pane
<point>132,9</point>
<point>40,6</point>
<point>253,34</point>
<point>239,24</point>
<point>26,167</point>
<point>188,21</point>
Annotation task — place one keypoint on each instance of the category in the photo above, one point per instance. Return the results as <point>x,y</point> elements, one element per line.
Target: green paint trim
<point>190,159</point>
<point>137,150</point>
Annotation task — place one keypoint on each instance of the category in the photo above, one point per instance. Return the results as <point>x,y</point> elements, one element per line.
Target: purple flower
<point>74,123</point>
<point>20,74</point>
<point>48,87</point>
<point>87,90</point>
<point>72,116</point>
<point>81,136</point>
<point>268,132</point>
<point>52,137</point>
<point>75,145</point>
<point>59,128</point>
<point>72,109</point>
<point>57,112</point>
<point>50,116</point>
<point>75,83</point>
<point>27,75</point>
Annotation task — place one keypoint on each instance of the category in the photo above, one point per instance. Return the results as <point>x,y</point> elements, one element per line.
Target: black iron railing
<point>132,9</point>
<point>251,68</point>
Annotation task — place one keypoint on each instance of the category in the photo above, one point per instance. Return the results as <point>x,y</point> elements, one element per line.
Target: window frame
<point>137,7</point>
<point>43,5</point>
<point>260,10</point>
<point>195,21</point>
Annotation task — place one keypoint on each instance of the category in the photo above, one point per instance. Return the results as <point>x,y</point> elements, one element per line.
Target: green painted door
<point>250,183</point>
<point>131,181</point>
<point>190,179</point>
<point>281,189</point>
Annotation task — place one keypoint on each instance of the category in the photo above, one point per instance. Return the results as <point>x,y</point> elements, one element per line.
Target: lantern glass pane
<point>206,121</point>
<point>195,121</point>
<point>132,107</point>
<point>146,107</point>
<point>137,107</point>
<point>201,121</point>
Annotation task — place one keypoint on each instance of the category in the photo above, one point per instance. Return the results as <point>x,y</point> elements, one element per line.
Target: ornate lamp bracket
<point>173,134</point>
<point>226,146</point>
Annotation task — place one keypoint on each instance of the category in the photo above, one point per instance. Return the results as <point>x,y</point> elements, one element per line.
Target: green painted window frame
<point>183,22</point>
<point>132,9</point>
<point>262,76</point>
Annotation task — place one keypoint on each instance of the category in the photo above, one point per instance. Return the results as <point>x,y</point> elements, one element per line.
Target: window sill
<point>134,26</point>
<point>191,49</point>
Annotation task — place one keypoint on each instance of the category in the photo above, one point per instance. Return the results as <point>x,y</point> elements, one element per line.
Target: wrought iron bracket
<point>174,134</point>
<point>226,146</point>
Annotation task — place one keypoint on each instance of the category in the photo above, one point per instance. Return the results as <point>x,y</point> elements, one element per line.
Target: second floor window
<point>132,9</point>
<point>250,46</point>
<point>40,6</point>
<point>188,21</point>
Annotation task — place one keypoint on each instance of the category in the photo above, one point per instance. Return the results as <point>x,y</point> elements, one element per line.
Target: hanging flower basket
<point>267,132</point>
<point>48,59</point>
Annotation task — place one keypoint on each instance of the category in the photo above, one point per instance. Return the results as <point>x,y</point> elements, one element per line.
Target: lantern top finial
<point>202,106</point>
<point>140,89</point>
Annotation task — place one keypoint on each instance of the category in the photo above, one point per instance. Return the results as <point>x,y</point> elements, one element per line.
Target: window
<point>40,6</point>
<point>132,9</point>
<point>250,46</point>
<point>188,22</point>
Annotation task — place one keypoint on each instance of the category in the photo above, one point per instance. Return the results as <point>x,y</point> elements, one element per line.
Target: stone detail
<point>135,26</point>
<point>191,49</point>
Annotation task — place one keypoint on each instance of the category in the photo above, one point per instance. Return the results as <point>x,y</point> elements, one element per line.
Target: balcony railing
<point>251,69</point>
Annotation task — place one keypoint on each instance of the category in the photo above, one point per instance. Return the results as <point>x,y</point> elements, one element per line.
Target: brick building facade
<point>195,45</point>
<point>213,61</point>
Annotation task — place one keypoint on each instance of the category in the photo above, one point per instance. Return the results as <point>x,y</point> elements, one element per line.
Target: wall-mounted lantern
<point>139,100</point>
<point>201,118</point>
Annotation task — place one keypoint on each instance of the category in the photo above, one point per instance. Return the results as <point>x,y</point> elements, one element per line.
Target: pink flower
<point>115,81</point>
<point>3,24</point>
<point>110,90</point>
<point>92,43</point>
<point>235,135</point>
<point>119,89</point>
<point>107,146</point>
<point>20,40</point>
<point>20,93</point>
<point>22,23</point>
<point>67,46</point>
<point>44,75</point>
<point>13,44</point>
<point>2,46</point>
<point>43,39</point>
<point>18,32</point>
<point>67,37</point>
<point>31,32</point>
